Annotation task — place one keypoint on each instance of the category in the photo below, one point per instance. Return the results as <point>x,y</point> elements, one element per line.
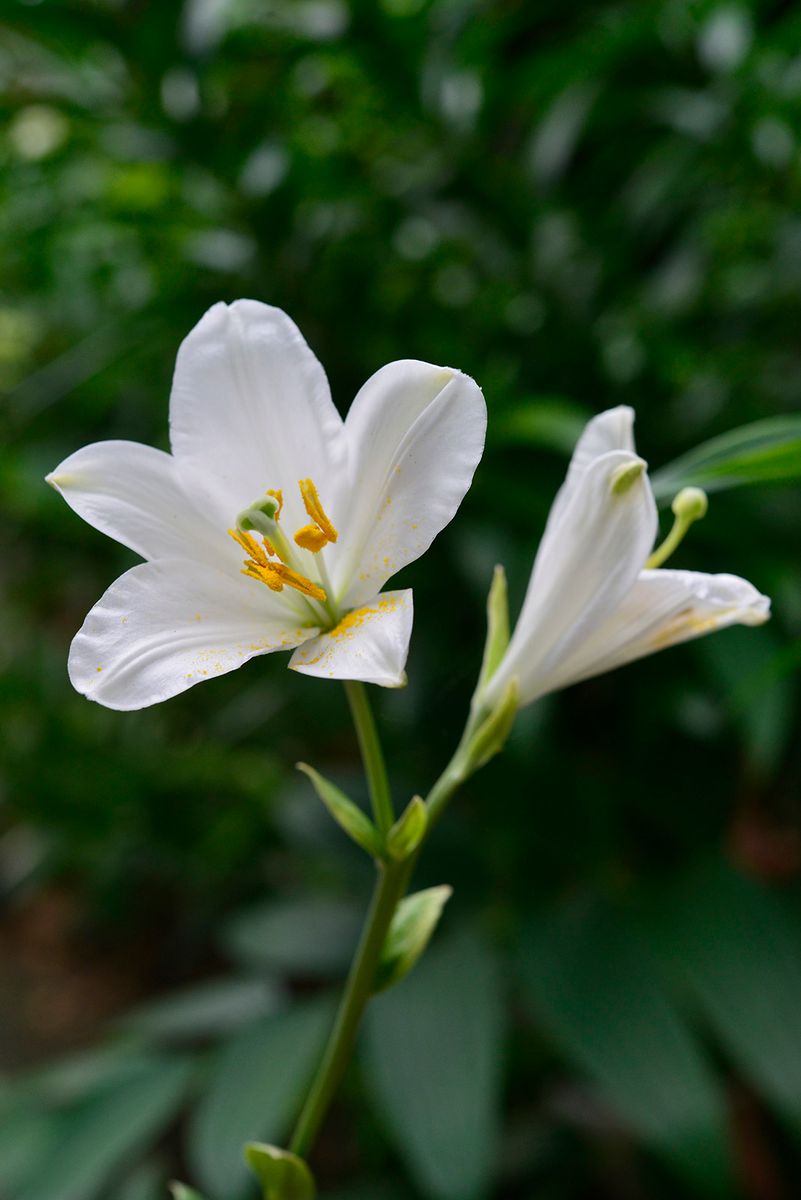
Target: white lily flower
<point>592,603</point>
<point>273,524</point>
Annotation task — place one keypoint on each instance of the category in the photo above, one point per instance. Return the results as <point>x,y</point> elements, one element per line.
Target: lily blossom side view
<point>597,597</point>
<point>274,524</point>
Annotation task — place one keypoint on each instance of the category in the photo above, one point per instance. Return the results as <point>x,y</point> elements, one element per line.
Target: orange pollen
<point>278,496</point>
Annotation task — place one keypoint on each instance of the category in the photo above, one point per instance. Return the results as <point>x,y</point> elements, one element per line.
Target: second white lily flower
<point>591,603</point>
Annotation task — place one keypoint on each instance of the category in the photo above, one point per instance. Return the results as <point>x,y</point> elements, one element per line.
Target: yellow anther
<point>264,575</point>
<point>311,537</point>
<point>297,581</point>
<point>314,508</point>
<point>278,496</point>
<point>251,546</point>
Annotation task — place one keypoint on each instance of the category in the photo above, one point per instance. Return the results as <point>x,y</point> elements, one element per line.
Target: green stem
<point>372,755</point>
<point>391,885</point>
<point>388,891</point>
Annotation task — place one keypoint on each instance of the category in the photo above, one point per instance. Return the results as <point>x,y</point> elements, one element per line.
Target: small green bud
<point>624,478</point>
<point>408,831</point>
<point>690,504</point>
<point>282,1175</point>
<point>356,824</point>
<point>491,735</point>
<point>415,920</point>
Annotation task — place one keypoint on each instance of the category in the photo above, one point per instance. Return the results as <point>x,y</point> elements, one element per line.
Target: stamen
<point>297,581</point>
<point>314,508</point>
<point>311,537</point>
<point>250,546</point>
<point>264,575</point>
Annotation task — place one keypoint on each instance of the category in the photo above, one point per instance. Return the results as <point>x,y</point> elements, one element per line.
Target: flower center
<point>274,562</point>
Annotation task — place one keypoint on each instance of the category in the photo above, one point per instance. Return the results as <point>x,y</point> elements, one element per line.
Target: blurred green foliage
<point>580,205</point>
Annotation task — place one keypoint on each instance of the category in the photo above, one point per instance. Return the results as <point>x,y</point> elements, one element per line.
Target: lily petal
<point>164,626</point>
<point>371,644</point>
<point>610,430</point>
<point>251,409</point>
<point>663,609</point>
<point>133,494</point>
<point>415,433</point>
<point>587,562</point>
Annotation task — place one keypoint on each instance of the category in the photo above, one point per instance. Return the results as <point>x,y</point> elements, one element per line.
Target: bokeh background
<point>580,204</point>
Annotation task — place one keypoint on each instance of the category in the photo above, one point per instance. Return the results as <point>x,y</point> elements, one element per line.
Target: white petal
<point>610,430</point>
<point>251,409</point>
<point>662,609</point>
<point>415,434</point>
<point>587,562</point>
<point>164,626</point>
<point>370,644</point>
<point>132,493</point>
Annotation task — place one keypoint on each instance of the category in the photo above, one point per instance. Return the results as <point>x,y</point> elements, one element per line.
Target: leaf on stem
<point>282,1175</point>
<point>356,824</point>
<point>411,930</point>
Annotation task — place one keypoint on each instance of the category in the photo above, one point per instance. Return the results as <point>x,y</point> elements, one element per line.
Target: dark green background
<point>581,205</point>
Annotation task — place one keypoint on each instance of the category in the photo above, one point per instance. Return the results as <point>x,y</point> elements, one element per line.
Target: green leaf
<point>408,831</point>
<point>412,928</point>
<point>433,1055</point>
<point>254,1090</point>
<point>593,987</point>
<point>27,1136</point>
<point>766,451</point>
<point>493,732</point>
<point>312,936</point>
<point>283,1175</point>
<point>106,1129</point>
<point>214,1007</point>
<point>730,940</point>
<point>356,824</point>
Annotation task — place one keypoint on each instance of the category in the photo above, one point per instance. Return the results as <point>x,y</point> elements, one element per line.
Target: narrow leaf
<point>593,987</point>
<point>766,451</point>
<point>356,824</point>
<point>412,928</point>
<point>433,1057</point>
<point>254,1089</point>
<point>497,638</point>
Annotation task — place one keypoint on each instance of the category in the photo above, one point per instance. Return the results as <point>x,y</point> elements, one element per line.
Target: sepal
<point>282,1175</point>
<point>408,831</point>
<point>413,925</point>
<point>356,824</point>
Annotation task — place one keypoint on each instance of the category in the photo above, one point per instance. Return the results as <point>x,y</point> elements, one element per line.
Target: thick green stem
<point>372,755</point>
<point>389,888</point>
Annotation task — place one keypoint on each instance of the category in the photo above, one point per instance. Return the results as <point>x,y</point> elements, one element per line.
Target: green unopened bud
<point>497,628</point>
<point>491,735</point>
<point>691,504</point>
<point>408,831</point>
<point>282,1175</point>
<point>624,478</point>
<point>356,824</point>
